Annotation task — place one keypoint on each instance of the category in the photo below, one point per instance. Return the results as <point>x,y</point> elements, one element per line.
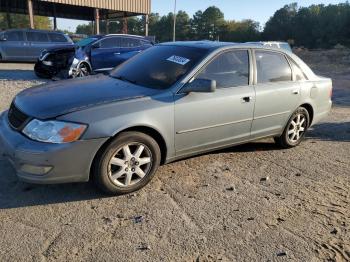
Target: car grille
<point>16,118</point>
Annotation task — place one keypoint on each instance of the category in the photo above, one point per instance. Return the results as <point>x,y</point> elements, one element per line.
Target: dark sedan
<point>90,55</point>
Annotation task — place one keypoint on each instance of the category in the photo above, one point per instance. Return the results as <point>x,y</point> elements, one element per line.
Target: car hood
<point>67,96</point>
<point>62,48</point>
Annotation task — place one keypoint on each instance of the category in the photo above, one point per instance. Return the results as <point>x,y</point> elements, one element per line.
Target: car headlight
<point>75,62</point>
<point>48,63</point>
<point>56,132</point>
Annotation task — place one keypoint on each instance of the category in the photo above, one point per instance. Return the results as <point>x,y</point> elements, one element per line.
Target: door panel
<point>277,95</point>
<point>273,106</point>
<point>38,41</point>
<point>208,120</point>
<point>14,46</point>
<point>109,54</point>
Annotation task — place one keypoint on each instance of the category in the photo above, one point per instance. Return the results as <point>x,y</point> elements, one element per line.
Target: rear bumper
<point>323,114</point>
<point>65,163</point>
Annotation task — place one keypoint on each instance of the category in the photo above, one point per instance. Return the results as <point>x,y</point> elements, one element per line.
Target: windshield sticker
<point>178,60</point>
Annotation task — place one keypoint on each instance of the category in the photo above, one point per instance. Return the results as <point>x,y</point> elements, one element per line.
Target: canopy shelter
<point>78,9</point>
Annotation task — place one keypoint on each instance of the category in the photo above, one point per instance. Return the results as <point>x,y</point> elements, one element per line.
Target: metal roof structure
<point>79,9</point>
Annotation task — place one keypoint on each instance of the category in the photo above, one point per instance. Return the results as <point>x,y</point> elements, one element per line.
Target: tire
<point>295,129</point>
<point>83,70</point>
<point>120,171</point>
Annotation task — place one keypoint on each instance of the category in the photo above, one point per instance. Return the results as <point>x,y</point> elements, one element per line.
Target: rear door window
<point>58,38</point>
<point>14,36</point>
<point>272,67</point>
<point>130,42</point>
<point>229,69</point>
<point>37,37</point>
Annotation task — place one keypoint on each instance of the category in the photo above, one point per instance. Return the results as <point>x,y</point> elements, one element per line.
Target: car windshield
<point>159,67</point>
<point>86,41</point>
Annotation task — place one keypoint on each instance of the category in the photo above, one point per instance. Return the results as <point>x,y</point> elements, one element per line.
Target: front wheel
<point>295,129</point>
<point>127,164</point>
<point>81,71</point>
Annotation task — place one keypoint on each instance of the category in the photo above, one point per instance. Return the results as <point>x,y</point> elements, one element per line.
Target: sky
<point>258,10</point>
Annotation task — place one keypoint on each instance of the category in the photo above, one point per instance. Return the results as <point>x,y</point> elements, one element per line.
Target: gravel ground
<point>248,203</point>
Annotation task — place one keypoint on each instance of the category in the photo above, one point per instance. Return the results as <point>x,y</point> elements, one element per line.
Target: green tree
<point>22,21</point>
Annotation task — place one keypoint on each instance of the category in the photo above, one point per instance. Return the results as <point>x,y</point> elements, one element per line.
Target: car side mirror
<point>3,38</point>
<point>200,86</point>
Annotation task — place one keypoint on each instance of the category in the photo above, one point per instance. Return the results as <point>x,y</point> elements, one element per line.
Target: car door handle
<point>247,99</point>
<point>295,92</point>
<point>117,53</point>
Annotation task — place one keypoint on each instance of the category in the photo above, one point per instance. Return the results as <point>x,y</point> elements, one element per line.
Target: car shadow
<point>16,194</point>
<point>330,131</point>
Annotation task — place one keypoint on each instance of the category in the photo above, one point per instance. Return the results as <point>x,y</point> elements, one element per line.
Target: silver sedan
<point>172,101</point>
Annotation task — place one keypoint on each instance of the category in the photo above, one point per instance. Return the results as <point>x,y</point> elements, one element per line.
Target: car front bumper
<point>45,163</point>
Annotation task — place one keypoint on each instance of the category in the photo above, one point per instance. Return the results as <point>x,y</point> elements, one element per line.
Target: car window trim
<point>119,47</point>
<point>256,67</point>
<point>290,60</point>
<point>209,59</point>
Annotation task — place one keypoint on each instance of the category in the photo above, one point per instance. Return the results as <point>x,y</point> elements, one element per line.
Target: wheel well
<point>86,63</point>
<point>155,135</point>
<point>143,129</point>
<point>310,110</point>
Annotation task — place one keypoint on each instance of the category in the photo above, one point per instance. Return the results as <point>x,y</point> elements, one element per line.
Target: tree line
<point>316,26</point>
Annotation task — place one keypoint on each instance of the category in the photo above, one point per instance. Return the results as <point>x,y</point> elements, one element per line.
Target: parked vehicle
<point>281,45</point>
<point>173,101</point>
<point>91,55</point>
<point>27,44</point>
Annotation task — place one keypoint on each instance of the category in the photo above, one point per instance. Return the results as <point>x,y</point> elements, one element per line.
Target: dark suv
<point>27,44</point>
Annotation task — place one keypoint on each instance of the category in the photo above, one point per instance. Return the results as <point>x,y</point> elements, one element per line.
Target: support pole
<point>174,32</point>
<point>107,24</point>
<point>31,14</point>
<point>97,21</point>
<point>54,18</point>
<point>8,16</point>
<point>146,24</point>
<point>125,24</point>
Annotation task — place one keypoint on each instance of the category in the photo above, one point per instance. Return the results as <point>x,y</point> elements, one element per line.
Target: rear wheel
<point>127,164</point>
<point>295,129</point>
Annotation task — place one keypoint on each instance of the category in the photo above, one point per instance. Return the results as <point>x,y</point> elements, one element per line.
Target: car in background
<point>27,44</point>
<point>275,44</point>
<point>95,54</point>
<point>172,101</point>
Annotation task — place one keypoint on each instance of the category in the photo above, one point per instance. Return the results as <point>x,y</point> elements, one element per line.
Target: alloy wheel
<point>297,128</point>
<point>130,164</point>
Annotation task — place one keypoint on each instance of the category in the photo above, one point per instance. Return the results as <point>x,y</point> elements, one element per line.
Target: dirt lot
<point>215,207</point>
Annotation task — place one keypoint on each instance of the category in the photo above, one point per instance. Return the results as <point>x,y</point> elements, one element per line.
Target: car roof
<point>127,35</point>
<point>33,30</point>
<point>213,45</point>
